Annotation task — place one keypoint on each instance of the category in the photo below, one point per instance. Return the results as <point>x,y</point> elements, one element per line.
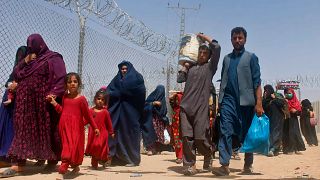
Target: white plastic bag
<point>166,137</point>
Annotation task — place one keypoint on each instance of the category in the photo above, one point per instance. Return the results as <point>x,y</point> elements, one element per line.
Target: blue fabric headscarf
<point>159,95</point>
<point>148,132</point>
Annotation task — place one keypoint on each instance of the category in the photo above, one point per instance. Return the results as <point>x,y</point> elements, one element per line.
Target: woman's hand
<point>156,103</point>
<point>293,110</point>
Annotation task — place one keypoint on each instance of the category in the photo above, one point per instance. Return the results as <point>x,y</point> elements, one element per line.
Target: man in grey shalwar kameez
<point>194,114</point>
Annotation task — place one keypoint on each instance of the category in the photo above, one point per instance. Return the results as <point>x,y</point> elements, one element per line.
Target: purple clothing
<point>35,121</point>
<point>55,61</point>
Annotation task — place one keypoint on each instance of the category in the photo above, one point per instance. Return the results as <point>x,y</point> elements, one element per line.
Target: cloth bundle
<point>189,48</point>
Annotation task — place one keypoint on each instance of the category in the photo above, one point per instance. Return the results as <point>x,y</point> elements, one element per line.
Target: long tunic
<point>32,126</point>
<point>71,128</point>
<point>6,126</point>
<point>195,101</point>
<point>235,120</point>
<point>274,110</point>
<point>175,125</point>
<point>127,99</point>
<point>308,131</point>
<point>98,147</point>
<point>292,140</point>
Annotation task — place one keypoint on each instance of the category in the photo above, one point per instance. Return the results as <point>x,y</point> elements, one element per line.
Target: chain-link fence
<point>102,54</point>
<point>316,109</point>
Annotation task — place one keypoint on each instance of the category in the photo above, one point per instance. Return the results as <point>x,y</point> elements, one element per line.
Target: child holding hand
<point>97,147</point>
<point>73,110</point>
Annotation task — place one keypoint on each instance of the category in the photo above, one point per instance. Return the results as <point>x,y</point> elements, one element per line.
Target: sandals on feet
<point>247,169</point>
<point>9,173</point>
<point>178,161</point>
<point>190,171</point>
<point>39,163</point>
<point>221,171</point>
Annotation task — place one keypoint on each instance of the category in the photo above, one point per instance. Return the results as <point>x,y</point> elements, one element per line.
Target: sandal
<point>190,171</point>
<point>221,171</point>
<point>247,170</point>
<point>9,173</point>
<point>76,170</point>
<point>39,163</point>
<point>178,161</point>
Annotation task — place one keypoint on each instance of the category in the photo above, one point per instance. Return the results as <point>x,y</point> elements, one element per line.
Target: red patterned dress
<point>175,126</point>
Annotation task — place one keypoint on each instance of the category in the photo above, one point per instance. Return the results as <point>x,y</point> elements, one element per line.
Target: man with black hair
<point>240,97</point>
<point>194,113</point>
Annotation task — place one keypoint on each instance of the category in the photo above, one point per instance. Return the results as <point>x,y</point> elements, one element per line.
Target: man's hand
<point>187,65</point>
<point>204,37</point>
<point>258,109</point>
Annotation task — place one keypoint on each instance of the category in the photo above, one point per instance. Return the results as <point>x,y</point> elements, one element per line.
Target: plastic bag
<point>257,138</point>
<point>166,137</point>
<point>313,121</point>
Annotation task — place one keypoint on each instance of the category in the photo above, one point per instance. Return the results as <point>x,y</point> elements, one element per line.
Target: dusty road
<point>163,166</point>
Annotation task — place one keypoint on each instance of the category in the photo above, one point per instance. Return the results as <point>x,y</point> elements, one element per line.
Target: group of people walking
<point>43,114</point>
<point>285,112</point>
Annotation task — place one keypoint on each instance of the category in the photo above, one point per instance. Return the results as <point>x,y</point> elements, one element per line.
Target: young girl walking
<point>73,110</point>
<point>97,147</point>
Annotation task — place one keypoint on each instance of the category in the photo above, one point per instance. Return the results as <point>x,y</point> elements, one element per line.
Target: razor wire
<point>108,14</point>
<point>306,81</point>
<point>102,53</point>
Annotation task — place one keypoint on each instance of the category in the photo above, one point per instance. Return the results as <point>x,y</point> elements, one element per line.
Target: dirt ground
<point>163,166</point>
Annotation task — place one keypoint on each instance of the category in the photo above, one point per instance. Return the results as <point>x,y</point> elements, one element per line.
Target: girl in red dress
<point>97,147</point>
<point>175,100</point>
<point>74,110</point>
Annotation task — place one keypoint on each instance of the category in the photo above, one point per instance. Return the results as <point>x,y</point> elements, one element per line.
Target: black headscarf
<point>268,89</point>
<point>306,104</point>
<point>20,55</point>
<point>159,95</point>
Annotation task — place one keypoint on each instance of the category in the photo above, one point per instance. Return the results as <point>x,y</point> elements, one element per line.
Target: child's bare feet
<point>7,102</point>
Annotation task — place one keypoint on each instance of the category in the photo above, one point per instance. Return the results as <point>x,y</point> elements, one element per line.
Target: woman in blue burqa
<point>127,94</point>
<point>155,120</point>
<point>6,114</point>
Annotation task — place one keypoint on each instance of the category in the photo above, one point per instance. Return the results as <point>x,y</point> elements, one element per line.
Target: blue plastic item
<point>257,139</point>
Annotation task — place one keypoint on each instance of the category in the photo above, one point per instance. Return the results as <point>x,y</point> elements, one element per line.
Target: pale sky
<point>284,34</point>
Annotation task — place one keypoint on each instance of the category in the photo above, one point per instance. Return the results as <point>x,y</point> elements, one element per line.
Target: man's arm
<point>255,71</point>
<point>258,106</point>
<point>215,51</point>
